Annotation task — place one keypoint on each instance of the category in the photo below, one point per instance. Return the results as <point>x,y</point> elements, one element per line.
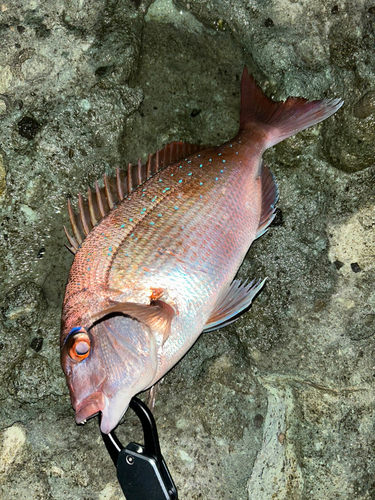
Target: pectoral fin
<point>157,316</point>
<point>231,303</point>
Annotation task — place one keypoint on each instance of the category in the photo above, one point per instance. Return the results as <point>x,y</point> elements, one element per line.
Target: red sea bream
<point>157,250</point>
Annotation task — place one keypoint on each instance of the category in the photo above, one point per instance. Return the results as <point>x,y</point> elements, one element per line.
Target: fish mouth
<point>115,408</point>
<point>89,407</point>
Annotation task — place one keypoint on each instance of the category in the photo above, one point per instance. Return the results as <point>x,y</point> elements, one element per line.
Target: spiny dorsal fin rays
<point>92,206</point>
<point>139,176</point>
<point>108,193</point>
<point>83,215</point>
<point>157,316</point>
<point>92,210</point>
<point>74,244</point>
<point>74,222</point>
<point>99,200</point>
<point>156,161</point>
<point>231,302</point>
<point>148,166</point>
<point>129,184</point>
<point>119,184</point>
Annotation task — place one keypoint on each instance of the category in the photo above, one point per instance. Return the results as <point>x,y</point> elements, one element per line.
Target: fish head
<point>105,364</point>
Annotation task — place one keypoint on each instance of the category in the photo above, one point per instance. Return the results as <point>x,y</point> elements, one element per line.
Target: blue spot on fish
<point>180,181</point>
<point>190,173</point>
<point>122,225</point>
<point>200,166</point>
<point>176,208</point>
<point>76,328</point>
<point>151,223</point>
<point>201,183</point>
<point>223,161</point>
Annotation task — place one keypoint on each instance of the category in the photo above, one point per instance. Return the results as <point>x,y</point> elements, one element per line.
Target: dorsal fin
<point>270,195</point>
<point>115,189</point>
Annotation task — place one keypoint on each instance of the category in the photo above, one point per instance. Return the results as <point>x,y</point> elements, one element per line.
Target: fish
<point>157,249</point>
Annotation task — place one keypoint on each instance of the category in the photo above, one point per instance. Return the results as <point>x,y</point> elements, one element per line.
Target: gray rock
<point>278,405</point>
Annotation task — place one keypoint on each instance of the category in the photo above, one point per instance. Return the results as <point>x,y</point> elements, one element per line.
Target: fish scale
<point>158,269</point>
<point>196,258</point>
<point>201,211</point>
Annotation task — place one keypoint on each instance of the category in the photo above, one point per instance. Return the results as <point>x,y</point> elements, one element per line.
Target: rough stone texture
<point>278,405</point>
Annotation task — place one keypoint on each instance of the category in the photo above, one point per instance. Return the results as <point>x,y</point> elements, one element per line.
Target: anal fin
<point>233,301</point>
<point>152,393</point>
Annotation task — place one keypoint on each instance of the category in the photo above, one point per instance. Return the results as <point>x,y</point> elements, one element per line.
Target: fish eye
<point>79,346</point>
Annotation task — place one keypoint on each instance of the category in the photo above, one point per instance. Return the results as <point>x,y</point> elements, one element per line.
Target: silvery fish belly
<point>157,249</point>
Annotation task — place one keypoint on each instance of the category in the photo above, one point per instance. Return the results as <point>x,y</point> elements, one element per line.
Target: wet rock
<point>258,420</point>
<point>365,107</point>
<point>2,177</point>
<point>12,441</point>
<point>37,344</point>
<point>24,305</point>
<point>114,81</point>
<point>355,267</point>
<point>352,149</point>
<point>29,381</point>
<point>28,127</point>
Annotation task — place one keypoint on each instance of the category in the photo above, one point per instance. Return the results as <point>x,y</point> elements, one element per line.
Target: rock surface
<point>278,405</point>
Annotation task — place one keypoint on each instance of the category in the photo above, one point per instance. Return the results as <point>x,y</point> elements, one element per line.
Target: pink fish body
<point>158,269</point>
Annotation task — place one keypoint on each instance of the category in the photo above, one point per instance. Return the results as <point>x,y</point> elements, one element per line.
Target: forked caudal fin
<point>280,119</point>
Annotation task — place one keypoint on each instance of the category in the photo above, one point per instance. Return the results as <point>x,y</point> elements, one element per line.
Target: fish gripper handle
<point>141,469</point>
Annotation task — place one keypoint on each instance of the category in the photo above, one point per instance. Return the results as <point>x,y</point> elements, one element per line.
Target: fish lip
<point>89,407</point>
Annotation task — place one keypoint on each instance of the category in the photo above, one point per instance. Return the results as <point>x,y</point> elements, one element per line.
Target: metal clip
<point>141,470</point>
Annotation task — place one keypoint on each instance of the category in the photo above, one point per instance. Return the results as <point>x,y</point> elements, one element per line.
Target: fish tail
<point>280,119</point>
